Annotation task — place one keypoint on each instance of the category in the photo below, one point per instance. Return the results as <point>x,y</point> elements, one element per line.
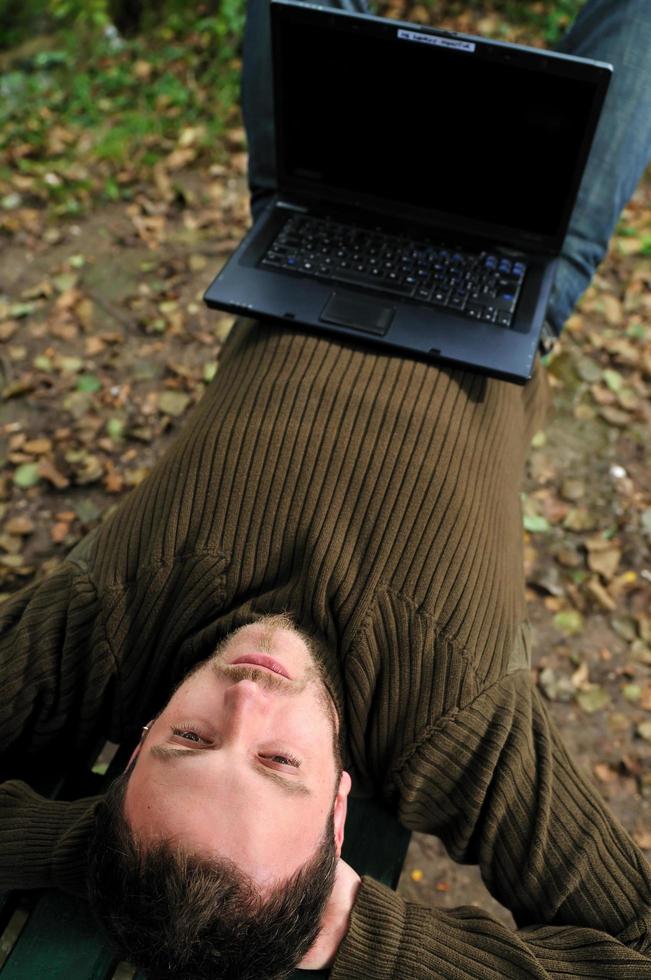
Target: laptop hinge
<point>290,206</point>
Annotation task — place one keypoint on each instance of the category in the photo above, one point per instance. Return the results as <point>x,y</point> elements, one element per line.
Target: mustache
<point>267,680</point>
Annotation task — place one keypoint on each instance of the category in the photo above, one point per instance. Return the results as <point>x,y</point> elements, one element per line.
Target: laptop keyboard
<point>478,285</point>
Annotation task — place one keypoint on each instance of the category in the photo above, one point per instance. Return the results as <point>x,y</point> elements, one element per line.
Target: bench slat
<point>61,942</point>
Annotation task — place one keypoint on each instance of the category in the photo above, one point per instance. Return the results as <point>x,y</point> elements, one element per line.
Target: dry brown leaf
<point>59,532</point>
<point>20,526</point>
<point>49,472</point>
<point>598,592</point>
<point>604,561</point>
<point>604,773</point>
<point>38,446</point>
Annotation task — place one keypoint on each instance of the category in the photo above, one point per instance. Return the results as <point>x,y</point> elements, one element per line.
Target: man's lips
<point>262,660</point>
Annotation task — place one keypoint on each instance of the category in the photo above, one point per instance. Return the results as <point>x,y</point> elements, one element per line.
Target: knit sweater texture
<point>376,498</point>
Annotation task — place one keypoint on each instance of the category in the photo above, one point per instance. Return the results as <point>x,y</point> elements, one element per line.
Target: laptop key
<point>273,259</point>
<point>361,279</point>
<point>474,310</point>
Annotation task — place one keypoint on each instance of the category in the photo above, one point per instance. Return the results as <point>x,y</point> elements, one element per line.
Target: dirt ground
<point>105,345</point>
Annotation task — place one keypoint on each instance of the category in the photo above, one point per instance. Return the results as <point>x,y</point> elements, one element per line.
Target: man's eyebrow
<point>167,753</point>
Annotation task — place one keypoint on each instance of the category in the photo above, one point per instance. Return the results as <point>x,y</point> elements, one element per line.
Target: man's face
<point>240,764</point>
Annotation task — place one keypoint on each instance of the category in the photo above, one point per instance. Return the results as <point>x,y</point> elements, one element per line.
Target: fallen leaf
<point>59,532</point>
<point>632,692</point>
<point>88,383</point>
<point>38,446</point>
<point>625,627</point>
<point>593,699</point>
<point>27,475</point>
<point>49,472</point>
<point>595,589</point>
<point>535,523</point>
<point>573,489</point>
<point>615,416</point>
<point>173,402</point>
<point>580,676</point>
<point>579,519</point>
<point>21,526</point>
<point>569,621</point>
<point>556,686</point>
<point>11,544</point>
<point>87,511</point>
<point>604,773</point>
<point>604,561</point>
<point>644,730</point>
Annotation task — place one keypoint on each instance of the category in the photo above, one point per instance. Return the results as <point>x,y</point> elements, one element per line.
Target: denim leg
<point>257,98</point>
<point>618,31</point>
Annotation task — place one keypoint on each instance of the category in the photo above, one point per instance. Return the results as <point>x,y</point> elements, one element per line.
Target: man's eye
<point>187,734</point>
<point>284,760</point>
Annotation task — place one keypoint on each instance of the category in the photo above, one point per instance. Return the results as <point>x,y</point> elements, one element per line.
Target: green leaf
<point>42,362</point>
<point>645,520</point>
<point>18,310</point>
<point>67,280</point>
<point>569,621</point>
<point>115,429</point>
<point>594,699</point>
<point>27,475</point>
<point>88,383</point>
<point>535,523</point>
<point>632,692</point>
<point>173,402</point>
<point>613,379</point>
<point>71,365</point>
<point>209,371</point>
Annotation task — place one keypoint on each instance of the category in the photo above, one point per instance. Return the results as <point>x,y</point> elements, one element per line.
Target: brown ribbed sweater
<point>376,498</point>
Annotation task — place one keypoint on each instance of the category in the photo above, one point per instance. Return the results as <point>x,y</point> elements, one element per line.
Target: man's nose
<point>244,700</point>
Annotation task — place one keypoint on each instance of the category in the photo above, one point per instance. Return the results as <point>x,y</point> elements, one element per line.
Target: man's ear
<point>341,809</point>
<point>143,736</point>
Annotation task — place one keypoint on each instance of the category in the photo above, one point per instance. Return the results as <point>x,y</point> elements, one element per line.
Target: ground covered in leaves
<point>105,345</point>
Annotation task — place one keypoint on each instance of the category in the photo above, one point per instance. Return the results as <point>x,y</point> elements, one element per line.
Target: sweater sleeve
<point>495,783</point>
<point>390,939</point>
<point>43,843</point>
<point>56,677</point>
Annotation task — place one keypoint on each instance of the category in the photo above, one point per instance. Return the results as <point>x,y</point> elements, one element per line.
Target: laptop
<point>425,184</point>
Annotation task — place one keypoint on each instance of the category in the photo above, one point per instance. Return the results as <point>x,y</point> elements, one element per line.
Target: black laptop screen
<point>452,132</point>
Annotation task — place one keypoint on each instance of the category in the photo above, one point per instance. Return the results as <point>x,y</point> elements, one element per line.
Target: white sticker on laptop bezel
<point>440,42</point>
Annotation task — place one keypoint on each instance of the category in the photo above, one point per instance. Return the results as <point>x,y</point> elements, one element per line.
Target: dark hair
<point>176,915</point>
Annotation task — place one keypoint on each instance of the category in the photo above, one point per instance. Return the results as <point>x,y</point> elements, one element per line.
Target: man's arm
<point>494,781</point>
<point>55,677</point>
<point>390,939</point>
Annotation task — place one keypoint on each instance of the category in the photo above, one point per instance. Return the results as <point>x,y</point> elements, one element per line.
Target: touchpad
<point>358,312</point>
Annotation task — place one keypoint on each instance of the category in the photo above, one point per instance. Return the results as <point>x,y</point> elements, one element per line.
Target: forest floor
<point>105,345</point>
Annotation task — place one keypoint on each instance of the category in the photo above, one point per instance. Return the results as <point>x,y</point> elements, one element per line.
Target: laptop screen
<point>462,133</point>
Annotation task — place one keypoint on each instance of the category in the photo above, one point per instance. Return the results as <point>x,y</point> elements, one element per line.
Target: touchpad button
<point>358,312</point>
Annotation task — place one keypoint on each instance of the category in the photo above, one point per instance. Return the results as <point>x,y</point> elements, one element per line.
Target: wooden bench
<point>59,940</point>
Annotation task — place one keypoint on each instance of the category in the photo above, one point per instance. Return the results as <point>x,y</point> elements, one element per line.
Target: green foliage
<point>114,86</point>
<point>549,18</point>
<point>19,19</point>
<point>88,15</point>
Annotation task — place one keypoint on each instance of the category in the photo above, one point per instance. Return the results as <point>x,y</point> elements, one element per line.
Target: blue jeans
<point>617,31</point>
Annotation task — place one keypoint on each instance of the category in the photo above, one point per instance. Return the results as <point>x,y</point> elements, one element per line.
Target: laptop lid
<point>449,130</point>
